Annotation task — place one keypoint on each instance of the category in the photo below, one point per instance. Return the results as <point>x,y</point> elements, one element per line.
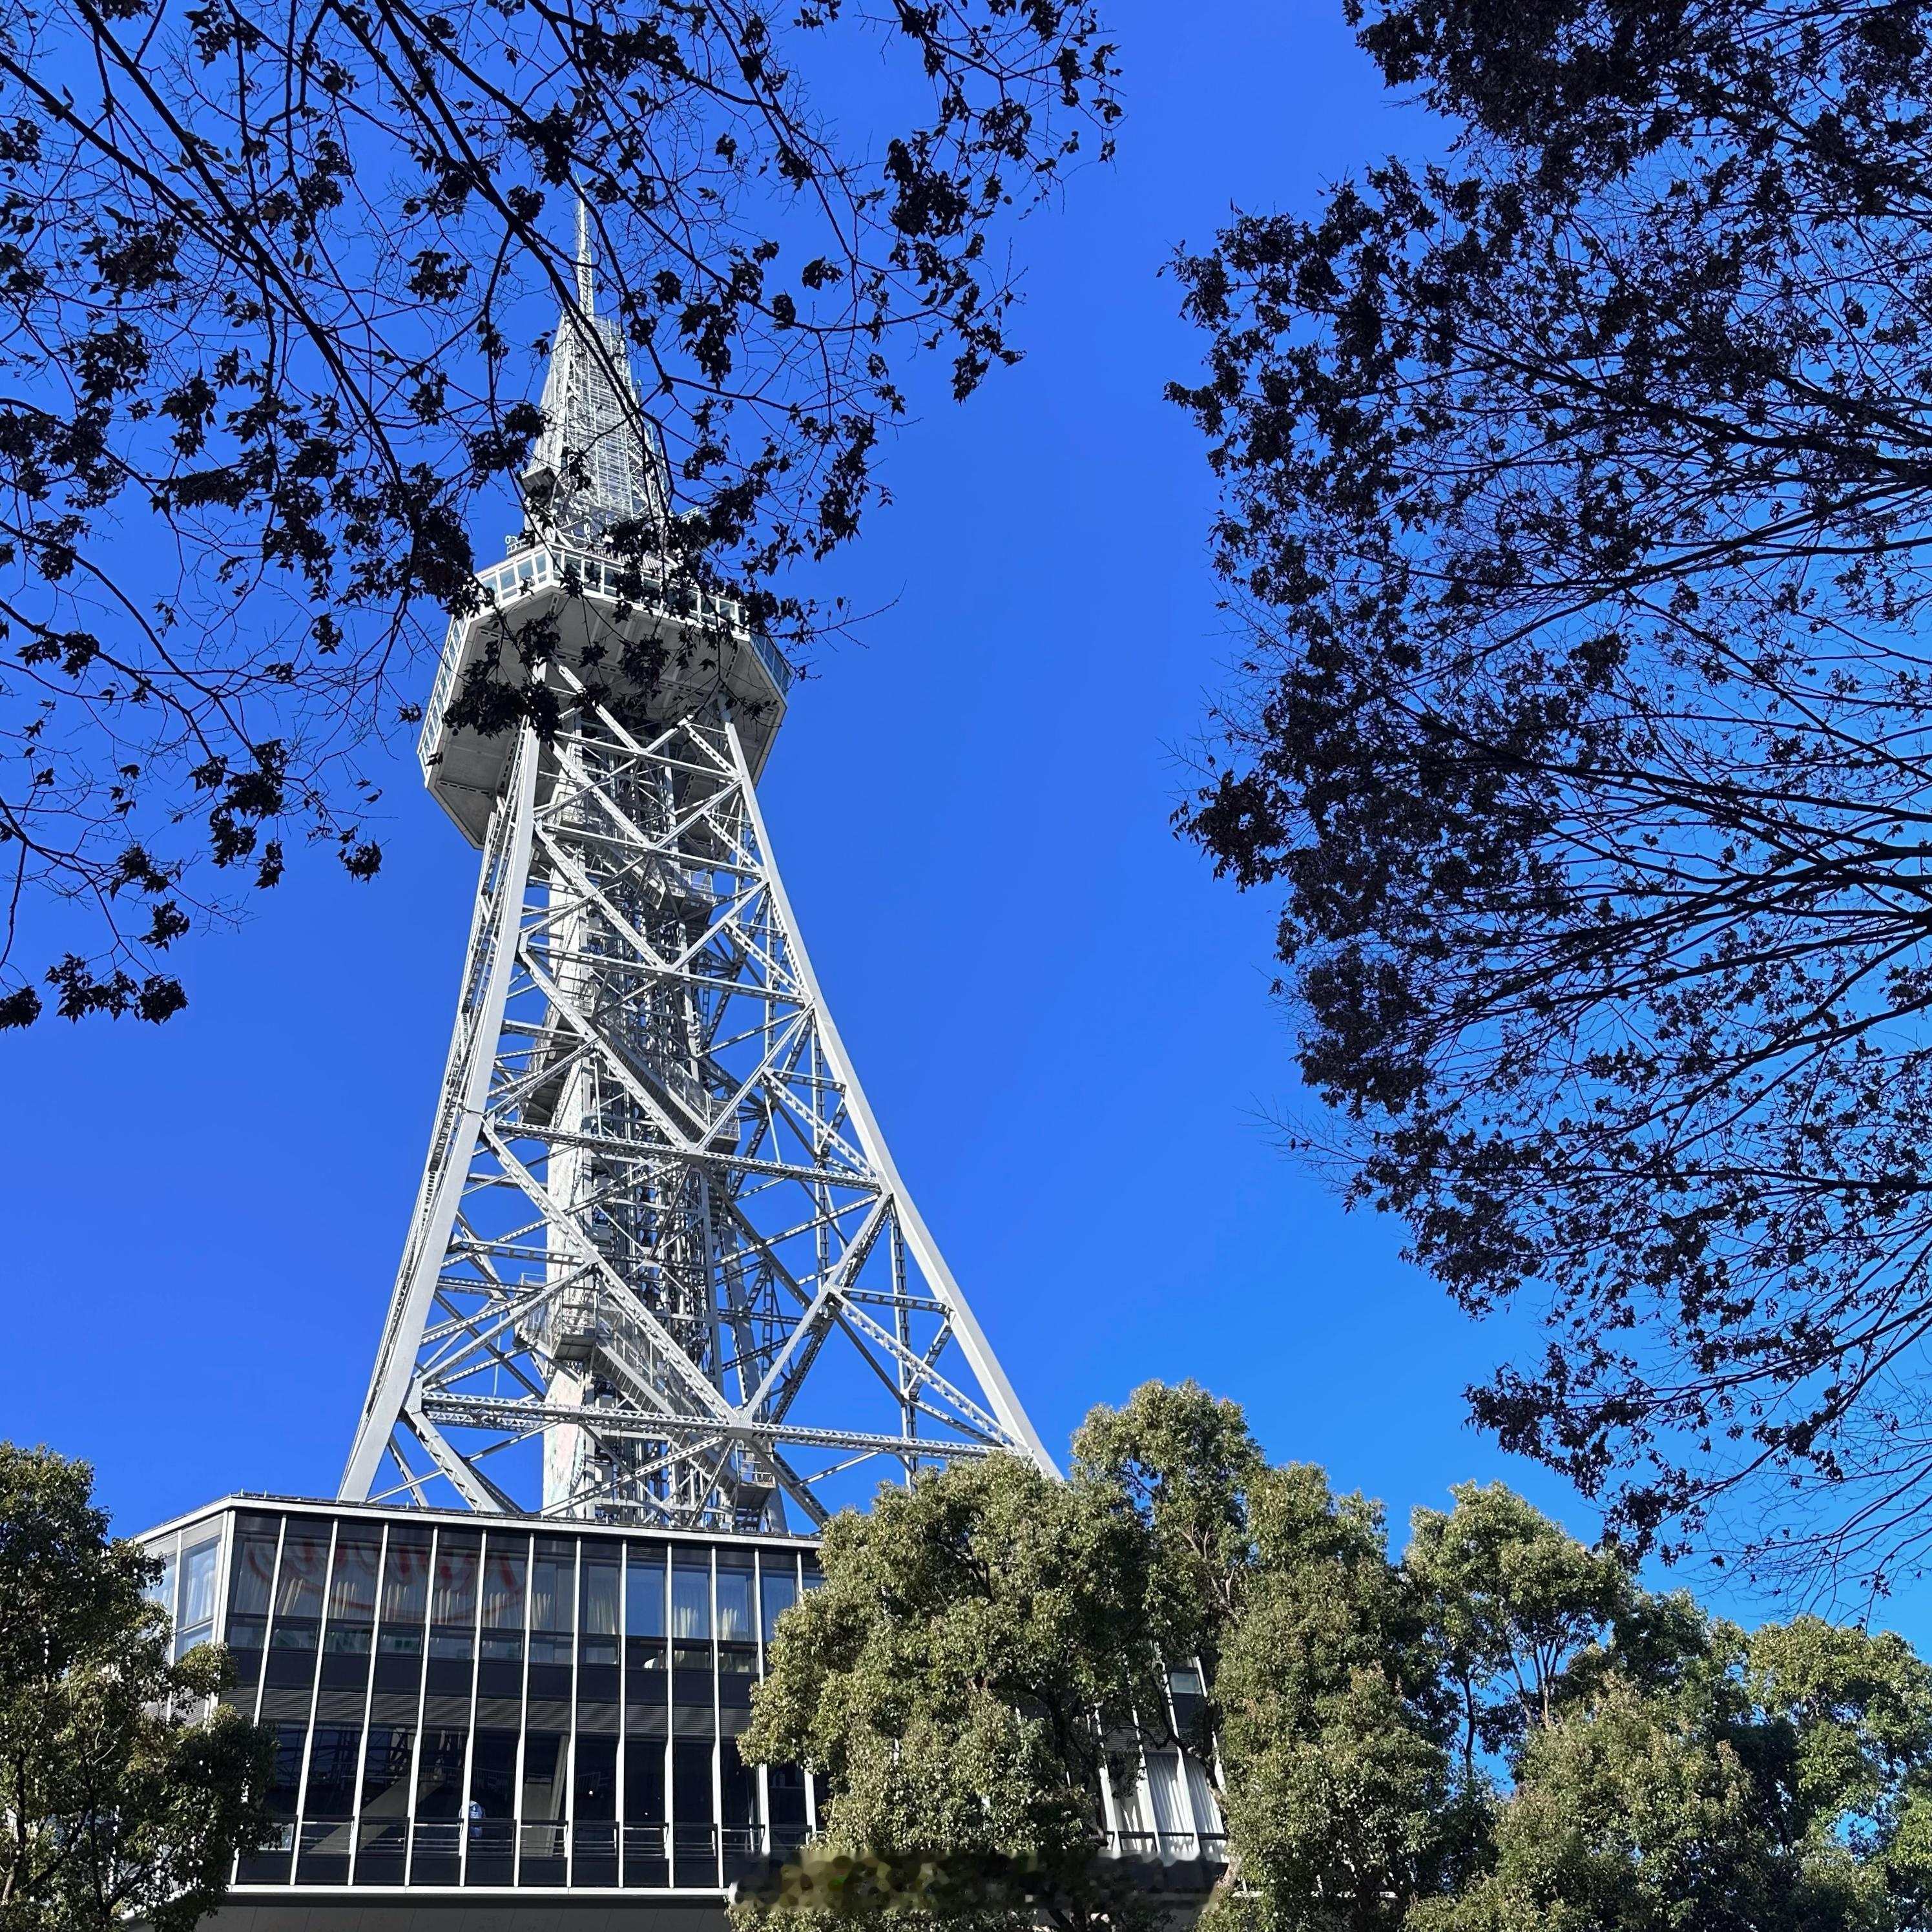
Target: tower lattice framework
<point>661,1267</point>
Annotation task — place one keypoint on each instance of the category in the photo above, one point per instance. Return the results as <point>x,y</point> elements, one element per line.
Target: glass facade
<point>457,1704</point>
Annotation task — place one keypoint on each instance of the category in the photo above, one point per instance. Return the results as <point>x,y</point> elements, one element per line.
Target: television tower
<point>662,1269</point>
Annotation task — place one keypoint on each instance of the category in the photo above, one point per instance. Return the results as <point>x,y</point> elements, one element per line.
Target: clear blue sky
<point>1062,1020</point>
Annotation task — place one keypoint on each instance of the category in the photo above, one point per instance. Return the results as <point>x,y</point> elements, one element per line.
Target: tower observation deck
<point>662,1270</point>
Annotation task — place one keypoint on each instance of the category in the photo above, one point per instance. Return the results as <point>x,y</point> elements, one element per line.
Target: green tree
<point>125,1790</point>
<point>1341,1796</point>
<point>1503,1731</point>
<point>950,1679</point>
<point>1186,1463</point>
<point>1780,1782</point>
<point>1576,496</point>
<point>1513,1601</point>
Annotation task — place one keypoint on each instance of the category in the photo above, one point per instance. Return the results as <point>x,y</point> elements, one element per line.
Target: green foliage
<point>1502,1731</point>
<point>1186,1462</point>
<point>1514,1600</point>
<point>1768,1786</point>
<point>117,1803</point>
<point>1340,1801</point>
<point>949,1676</point>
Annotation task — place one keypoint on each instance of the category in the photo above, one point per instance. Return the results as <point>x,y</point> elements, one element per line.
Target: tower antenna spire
<point>587,271</point>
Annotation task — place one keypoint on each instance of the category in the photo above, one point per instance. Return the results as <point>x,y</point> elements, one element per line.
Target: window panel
<point>331,1773</point>
<point>691,1599</point>
<point>738,1785</point>
<point>1163,1781</point>
<point>644,1781</point>
<point>1207,1812</point>
<point>598,1592</point>
<point>285,1781</point>
<point>544,1786</point>
<point>785,1786</point>
<point>351,1584</point>
<point>385,1773</point>
<point>737,1671</point>
<point>553,1601</point>
<point>254,1568</point>
<point>440,1775</point>
<point>780,1590</point>
<point>504,1567</point>
<point>644,1594</point>
<point>196,1619</point>
<point>405,1600</point>
<point>492,1775</point>
<point>734,1606</point>
<point>304,1562</point>
<point>161,1591</point>
<point>453,1600</point>
<point>594,1798</point>
<point>691,1781</point>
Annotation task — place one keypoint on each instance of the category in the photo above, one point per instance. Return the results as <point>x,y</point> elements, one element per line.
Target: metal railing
<point>542,568</point>
<point>1169,1846</point>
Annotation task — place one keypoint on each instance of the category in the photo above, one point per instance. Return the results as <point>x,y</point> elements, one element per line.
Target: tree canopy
<point>1500,1730</point>
<point>949,1677</point>
<point>1576,504</point>
<point>126,1790</point>
<point>272,283</point>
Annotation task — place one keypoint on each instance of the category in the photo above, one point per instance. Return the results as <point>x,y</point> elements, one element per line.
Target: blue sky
<point>1062,1020</point>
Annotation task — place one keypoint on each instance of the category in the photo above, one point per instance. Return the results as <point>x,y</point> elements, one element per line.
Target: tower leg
<point>662,1267</point>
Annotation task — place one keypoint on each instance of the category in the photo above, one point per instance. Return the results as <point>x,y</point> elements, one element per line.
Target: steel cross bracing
<point>658,1220</point>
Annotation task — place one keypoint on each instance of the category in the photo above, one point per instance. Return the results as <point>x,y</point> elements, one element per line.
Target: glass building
<point>463,1705</point>
<point>458,1704</point>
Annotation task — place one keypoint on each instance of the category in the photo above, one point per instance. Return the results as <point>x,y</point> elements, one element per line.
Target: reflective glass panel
<point>595,1780</point>
<point>690,1599</point>
<point>598,1587</point>
<point>161,1591</point>
<point>254,1571</point>
<point>285,1782</point>
<point>197,1585</point>
<point>503,1586</point>
<point>405,1594</point>
<point>305,1561</point>
<point>781,1592</point>
<point>553,1585</point>
<point>690,1781</point>
<point>405,1578</point>
<point>644,1594</point>
<point>553,1601</point>
<point>352,1585</point>
<point>543,1784</point>
<point>734,1606</point>
<point>492,1773</point>
<point>644,1781</point>
<point>440,1775</point>
<point>453,1596</point>
<point>455,1599</point>
<point>738,1785</point>
<point>331,1773</point>
<point>385,1773</point>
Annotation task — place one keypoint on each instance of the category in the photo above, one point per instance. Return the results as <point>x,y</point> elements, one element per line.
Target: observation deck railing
<point>543,567</point>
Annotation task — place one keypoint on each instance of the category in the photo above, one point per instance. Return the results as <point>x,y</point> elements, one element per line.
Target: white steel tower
<point>661,1268</point>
